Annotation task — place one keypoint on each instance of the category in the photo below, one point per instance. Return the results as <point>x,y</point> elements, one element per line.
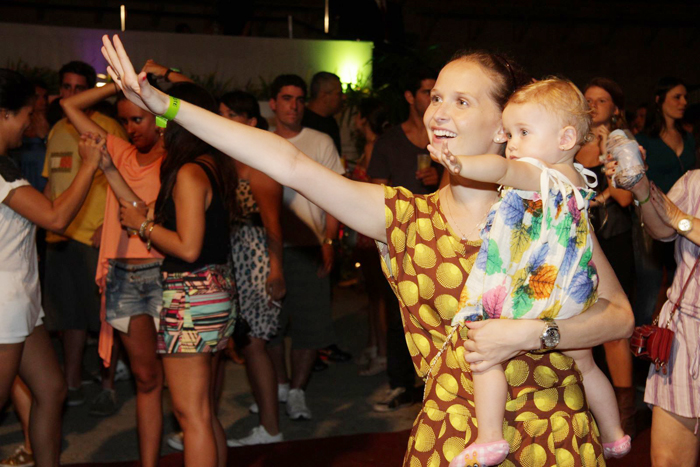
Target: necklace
<point>478,226</point>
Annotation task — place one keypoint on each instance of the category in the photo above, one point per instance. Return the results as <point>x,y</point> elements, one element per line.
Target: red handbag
<point>653,343</point>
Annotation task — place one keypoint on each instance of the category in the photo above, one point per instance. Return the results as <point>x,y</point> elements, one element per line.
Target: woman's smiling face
<point>462,112</point>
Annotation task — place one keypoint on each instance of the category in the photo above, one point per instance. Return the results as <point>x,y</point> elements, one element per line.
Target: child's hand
<point>446,158</point>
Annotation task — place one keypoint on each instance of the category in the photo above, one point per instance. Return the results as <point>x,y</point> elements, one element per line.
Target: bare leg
<point>189,380</point>
<point>73,347</point>
<point>22,400</point>
<point>619,359</point>
<point>219,434</point>
<point>107,373</point>
<point>10,357</point>
<point>490,395</point>
<point>673,443</point>
<point>600,395</point>
<point>40,370</point>
<point>278,355</point>
<point>147,369</point>
<point>261,374</point>
<point>302,365</point>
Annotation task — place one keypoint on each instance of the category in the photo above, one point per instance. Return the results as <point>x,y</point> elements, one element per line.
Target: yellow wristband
<point>173,108</point>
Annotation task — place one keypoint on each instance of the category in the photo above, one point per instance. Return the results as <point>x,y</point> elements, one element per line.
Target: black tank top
<point>216,246</point>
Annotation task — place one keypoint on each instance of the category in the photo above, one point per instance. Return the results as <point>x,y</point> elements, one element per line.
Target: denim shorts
<point>133,289</point>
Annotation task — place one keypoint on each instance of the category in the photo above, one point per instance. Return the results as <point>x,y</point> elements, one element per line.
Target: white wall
<point>241,58</point>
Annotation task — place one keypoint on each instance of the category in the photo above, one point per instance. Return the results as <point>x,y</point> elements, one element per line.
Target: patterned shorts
<point>198,311</point>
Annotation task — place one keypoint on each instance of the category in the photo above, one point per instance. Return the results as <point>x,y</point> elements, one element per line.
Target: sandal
<point>482,455</point>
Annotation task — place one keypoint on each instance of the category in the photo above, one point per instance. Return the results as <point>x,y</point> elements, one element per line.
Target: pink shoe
<point>619,448</point>
<point>482,455</point>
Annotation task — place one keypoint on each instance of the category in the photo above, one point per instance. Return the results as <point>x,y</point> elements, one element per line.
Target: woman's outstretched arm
<point>358,205</point>
<point>610,318</point>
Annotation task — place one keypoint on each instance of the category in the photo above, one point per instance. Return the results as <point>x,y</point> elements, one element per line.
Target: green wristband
<point>173,108</point>
<point>645,200</point>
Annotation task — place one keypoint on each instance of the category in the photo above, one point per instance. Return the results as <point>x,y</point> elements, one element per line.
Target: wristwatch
<point>685,225</point>
<point>550,337</point>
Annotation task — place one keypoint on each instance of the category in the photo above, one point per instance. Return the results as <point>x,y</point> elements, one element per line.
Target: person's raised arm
<point>268,197</point>
<point>161,71</point>
<point>358,205</point>
<point>610,318</point>
<point>490,168</point>
<point>75,108</point>
<point>56,215</point>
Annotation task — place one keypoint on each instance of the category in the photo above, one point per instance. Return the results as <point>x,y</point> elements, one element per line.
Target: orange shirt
<point>116,243</point>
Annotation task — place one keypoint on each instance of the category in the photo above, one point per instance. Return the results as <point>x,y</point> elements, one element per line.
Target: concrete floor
<point>339,399</point>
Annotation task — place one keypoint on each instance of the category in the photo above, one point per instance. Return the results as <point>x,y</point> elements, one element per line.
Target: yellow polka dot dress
<point>547,418</point>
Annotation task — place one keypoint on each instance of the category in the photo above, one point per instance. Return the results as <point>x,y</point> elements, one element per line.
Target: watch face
<point>684,225</point>
<point>551,338</point>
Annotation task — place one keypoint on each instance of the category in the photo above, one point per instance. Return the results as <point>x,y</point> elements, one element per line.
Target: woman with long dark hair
<point>670,154</point>
<point>191,226</point>
<point>25,346</point>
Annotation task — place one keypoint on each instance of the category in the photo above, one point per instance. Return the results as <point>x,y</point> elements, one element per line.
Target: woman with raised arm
<point>194,209</point>
<point>128,274</point>
<point>431,242</point>
<point>25,347</point>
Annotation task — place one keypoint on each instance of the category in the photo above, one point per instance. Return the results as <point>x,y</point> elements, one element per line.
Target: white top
<point>303,222</point>
<point>19,272</point>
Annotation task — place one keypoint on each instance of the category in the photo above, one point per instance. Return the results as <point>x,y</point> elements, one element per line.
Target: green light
<point>350,60</point>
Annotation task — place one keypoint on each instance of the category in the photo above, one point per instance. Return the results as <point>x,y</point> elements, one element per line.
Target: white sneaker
<point>122,372</point>
<point>282,395</point>
<point>296,405</point>
<point>174,440</point>
<point>258,435</point>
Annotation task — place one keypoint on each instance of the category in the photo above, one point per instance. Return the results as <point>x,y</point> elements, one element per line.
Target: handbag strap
<point>680,298</point>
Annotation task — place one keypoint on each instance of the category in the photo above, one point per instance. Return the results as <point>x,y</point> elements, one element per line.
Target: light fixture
<point>122,13</point>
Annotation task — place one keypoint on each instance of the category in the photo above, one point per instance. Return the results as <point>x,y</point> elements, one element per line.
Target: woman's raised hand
<point>135,87</point>
<point>446,158</point>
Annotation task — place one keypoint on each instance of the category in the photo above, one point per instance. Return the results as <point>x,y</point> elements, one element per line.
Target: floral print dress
<point>535,259</point>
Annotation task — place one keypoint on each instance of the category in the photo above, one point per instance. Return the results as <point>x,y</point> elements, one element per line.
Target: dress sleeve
<point>6,187</point>
<point>399,212</point>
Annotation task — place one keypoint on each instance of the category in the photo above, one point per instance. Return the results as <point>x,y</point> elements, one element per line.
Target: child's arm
<point>490,168</point>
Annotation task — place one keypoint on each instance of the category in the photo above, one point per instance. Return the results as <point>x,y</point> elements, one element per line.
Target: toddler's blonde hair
<point>562,97</point>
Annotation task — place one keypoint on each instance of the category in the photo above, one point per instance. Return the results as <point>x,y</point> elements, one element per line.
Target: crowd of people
<point>176,219</point>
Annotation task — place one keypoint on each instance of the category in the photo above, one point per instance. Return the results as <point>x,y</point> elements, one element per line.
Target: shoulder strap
<point>211,174</point>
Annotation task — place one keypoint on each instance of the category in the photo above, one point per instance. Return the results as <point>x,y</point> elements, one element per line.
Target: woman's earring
<point>614,119</point>
<point>7,115</point>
